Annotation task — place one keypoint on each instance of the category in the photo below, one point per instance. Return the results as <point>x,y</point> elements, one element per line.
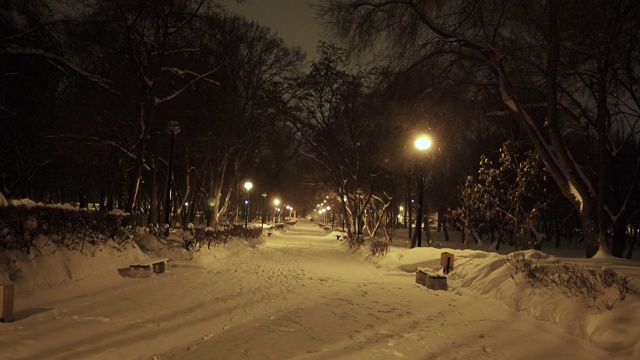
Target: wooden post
<point>6,300</point>
<point>446,261</point>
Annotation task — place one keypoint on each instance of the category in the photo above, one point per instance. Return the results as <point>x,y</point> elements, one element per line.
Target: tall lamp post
<point>276,202</point>
<point>264,195</point>
<point>248,185</point>
<point>173,128</point>
<point>422,143</point>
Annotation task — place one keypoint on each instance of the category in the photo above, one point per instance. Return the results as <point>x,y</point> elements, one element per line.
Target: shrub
<point>72,228</point>
<point>357,242</point>
<point>196,238</point>
<point>570,279</point>
<point>379,247</point>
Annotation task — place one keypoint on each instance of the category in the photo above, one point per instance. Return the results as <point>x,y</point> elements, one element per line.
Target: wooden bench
<point>157,264</point>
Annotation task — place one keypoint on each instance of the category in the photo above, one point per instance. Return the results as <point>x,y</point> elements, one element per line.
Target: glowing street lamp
<point>248,185</point>
<point>276,202</point>
<point>422,143</point>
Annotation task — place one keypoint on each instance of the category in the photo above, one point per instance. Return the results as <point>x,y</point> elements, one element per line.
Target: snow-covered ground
<point>301,294</point>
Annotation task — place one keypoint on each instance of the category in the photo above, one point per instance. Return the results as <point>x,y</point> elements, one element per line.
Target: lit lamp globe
<point>422,143</point>
<point>276,202</point>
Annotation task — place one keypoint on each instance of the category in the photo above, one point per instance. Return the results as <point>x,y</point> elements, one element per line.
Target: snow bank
<point>54,266</point>
<point>487,274</point>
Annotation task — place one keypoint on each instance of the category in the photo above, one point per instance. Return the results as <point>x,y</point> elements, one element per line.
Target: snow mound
<point>54,266</point>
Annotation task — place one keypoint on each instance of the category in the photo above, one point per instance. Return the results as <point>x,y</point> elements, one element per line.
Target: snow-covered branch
<point>59,62</point>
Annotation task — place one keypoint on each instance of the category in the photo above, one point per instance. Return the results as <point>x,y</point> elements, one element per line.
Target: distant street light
<point>276,202</point>
<point>248,185</point>
<point>422,143</point>
<point>290,208</point>
<point>173,128</point>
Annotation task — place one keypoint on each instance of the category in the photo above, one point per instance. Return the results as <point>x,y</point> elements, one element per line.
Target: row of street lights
<point>173,128</point>
<point>422,144</point>
<point>248,186</point>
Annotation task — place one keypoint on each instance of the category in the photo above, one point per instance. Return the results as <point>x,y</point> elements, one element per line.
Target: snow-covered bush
<point>506,198</point>
<point>64,226</point>
<point>379,247</point>
<point>197,238</point>
<point>572,280</point>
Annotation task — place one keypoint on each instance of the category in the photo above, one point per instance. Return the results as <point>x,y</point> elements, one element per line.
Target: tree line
<point>88,88</point>
<point>564,74</point>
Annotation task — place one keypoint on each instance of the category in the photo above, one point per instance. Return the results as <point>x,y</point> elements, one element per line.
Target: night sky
<point>292,20</point>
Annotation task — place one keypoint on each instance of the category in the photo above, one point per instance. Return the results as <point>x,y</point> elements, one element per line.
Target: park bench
<point>431,279</point>
<point>157,265</point>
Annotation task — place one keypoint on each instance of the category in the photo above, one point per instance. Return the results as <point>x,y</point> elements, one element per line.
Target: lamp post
<point>344,211</point>
<point>173,128</point>
<point>276,202</point>
<point>422,143</point>
<point>290,208</point>
<point>264,195</point>
<point>248,185</point>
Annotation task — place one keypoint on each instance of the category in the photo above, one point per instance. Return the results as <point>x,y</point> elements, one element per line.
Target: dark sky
<point>292,20</point>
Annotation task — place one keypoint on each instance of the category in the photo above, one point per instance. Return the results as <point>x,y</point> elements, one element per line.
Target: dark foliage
<point>20,226</point>
<point>197,238</point>
<point>572,280</point>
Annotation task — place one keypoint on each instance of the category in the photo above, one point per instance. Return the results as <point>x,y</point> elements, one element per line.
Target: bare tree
<point>230,117</point>
<point>523,59</point>
<point>344,134</point>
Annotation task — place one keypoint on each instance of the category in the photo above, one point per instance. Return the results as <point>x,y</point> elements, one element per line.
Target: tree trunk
<point>590,230</point>
<point>632,244</point>
<point>148,112</point>
<point>153,211</point>
<point>445,229</point>
<point>419,215</point>
<point>410,206</point>
<point>619,237</point>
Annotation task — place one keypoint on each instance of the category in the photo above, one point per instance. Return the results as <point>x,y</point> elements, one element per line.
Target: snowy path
<point>298,296</point>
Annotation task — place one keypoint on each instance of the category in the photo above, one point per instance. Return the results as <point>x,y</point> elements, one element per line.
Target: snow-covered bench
<point>431,279</point>
<point>157,264</point>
